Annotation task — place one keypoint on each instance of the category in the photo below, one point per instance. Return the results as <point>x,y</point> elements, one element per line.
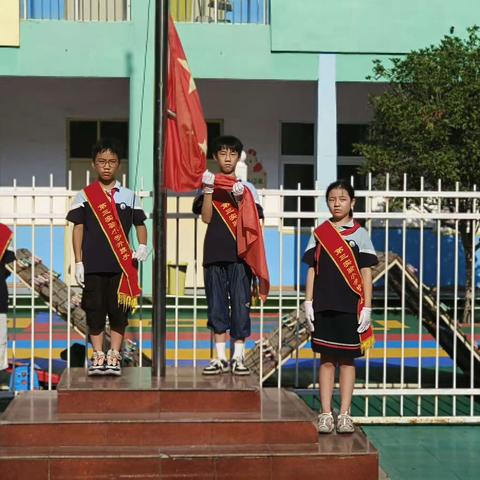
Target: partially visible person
<point>6,256</point>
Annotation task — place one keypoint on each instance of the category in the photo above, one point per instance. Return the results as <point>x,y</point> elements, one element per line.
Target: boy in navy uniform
<point>228,278</point>
<point>104,262</point>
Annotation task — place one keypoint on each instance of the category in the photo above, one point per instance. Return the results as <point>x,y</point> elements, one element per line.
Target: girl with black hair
<point>338,301</point>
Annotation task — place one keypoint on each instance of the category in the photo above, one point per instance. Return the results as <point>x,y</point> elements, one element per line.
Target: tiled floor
<point>417,452</point>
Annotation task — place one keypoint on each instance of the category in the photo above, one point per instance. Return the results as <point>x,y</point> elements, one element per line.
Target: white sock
<point>221,355</point>
<point>238,350</point>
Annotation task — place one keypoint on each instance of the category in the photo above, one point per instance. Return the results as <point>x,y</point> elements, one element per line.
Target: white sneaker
<point>97,365</point>
<point>114,366</point>
<point>325,423</point>
<point>345,424</point>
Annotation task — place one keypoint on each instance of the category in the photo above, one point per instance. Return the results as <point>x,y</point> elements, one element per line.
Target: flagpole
<point>159,322</point>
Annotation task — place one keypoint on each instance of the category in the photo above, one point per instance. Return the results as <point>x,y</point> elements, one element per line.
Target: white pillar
<point>326,127</point>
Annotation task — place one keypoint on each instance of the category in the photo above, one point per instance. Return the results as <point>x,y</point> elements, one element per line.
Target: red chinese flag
<point>186,130</point>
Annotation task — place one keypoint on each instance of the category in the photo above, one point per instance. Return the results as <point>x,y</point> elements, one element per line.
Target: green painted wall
<point>241,52</point>
<point>366,26</point>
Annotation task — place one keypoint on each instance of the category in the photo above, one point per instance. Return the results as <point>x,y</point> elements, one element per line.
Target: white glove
<point>309,314</point>
<point>80,274</point>
<point>237,190</point>
<point>364,321</point>
<point>208,180</point>
<point>141,253</point>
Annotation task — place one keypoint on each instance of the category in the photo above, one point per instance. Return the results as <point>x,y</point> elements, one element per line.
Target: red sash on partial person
<point>105,210</point>
<point>341,253</point>
<point>245,227</point>
<point>5,237</point>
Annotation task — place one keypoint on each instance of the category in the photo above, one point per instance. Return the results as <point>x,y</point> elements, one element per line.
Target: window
<point>298,139</point>
<point>347,135</point>
<point>294,174</point>
<point>82,135</point>
<point>214,130</point>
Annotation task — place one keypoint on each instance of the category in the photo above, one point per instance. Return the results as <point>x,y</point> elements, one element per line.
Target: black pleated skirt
<point>336,334</point>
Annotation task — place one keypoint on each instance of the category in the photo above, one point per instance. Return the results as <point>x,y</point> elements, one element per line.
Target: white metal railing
<point>76,10</point>
<point>221,11</point>
<point>412,375</point>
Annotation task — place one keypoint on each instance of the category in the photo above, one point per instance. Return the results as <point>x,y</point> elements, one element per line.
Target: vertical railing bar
<point>402,300</point>
<point>32,312</point>
<point>472,320</point>
<point>260,368</point>
<point>68,275</point>
<point>195,290</point>
<point>385,293</point>
<point>129,10</point>
<point>215,10</point>
<point>15,223</point>
<point>437,298</point>
<point>420,299</point>
<point>368,205</point>
<point>455,305</point>
<point>297,286</point>
<point>50,291</point>
<point>177,273</point>
<point>280,292</point>
<point>25,12</point>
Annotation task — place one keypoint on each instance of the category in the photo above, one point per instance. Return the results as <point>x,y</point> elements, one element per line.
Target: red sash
<point>5,237</point>
<point>244,225</point>
<point>343,257</point>
<point>228,213</point>
<point>105,210</point>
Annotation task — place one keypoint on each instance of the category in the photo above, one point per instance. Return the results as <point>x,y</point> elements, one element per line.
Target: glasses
<point>103,163</point>
<point>227,153</point>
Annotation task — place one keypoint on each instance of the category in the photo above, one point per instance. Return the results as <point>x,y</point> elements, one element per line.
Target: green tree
<point>427,123</point>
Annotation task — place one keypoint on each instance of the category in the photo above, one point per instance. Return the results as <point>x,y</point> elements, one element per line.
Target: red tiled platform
<point>334,456</point>
<point>32,419</point>
<point>182,390</point>
<point>161,429</point>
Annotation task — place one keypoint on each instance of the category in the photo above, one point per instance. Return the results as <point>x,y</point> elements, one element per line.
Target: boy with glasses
<point>105,265</point>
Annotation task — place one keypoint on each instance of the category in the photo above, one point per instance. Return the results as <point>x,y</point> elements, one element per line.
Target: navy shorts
<point>228,285</point>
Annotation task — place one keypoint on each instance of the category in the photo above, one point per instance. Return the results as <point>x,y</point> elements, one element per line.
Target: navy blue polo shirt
<point>97,256</point>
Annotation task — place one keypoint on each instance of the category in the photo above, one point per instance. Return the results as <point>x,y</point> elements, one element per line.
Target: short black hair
<point>227,141</point>
<point>342,184</point>
<point>105,144</point>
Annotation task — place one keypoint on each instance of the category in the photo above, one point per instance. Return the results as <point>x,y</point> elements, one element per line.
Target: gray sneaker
<point>345,424</point>
<point>325,423</point>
